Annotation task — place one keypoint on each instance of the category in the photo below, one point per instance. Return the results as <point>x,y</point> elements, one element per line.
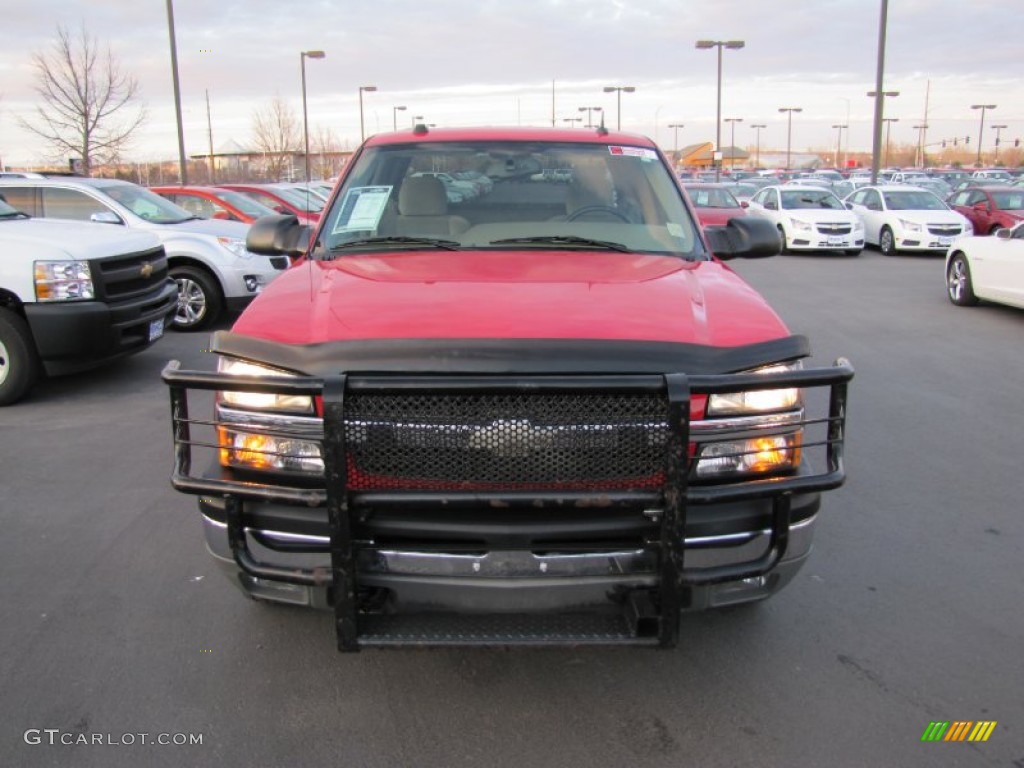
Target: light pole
<point>888,124</point>
<point>719,44</point>
<point>999,131</point>
<point>303,55</point>
<point>588,110</point>
<point>757,151</point>
<point>182,162</point>
<point>846,154</point>
<point>876,133</point>
<point>732,141</point>
<point>362,89</point>
<point>880,120</point>
<point>394,116</point>
<point>920,144</point>
<point>675,140</point>
<point>981,129</point>
<point>618,92</point>
<point>789,131</point>
<point>571,120</point>
<point>839,141</point>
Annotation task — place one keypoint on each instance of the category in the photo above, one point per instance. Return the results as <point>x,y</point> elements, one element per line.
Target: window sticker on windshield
<point>645,154</point>
<point>675,230</point>
<point>361,208</point>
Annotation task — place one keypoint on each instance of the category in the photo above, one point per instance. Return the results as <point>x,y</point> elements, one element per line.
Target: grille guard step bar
<point>672,499</point>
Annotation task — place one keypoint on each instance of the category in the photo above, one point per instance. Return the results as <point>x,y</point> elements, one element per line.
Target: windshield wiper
<point>563,240</point>
<point>433,242</point>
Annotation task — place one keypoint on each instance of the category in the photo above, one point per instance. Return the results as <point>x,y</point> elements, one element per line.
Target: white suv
<point>207,258</point>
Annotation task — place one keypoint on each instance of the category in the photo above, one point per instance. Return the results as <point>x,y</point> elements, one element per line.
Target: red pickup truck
<point>549,414</point>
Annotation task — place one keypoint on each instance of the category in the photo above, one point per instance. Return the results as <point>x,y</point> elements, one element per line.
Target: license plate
<point>945,241</point>
<point>837,241</point>
<point>156,329</point>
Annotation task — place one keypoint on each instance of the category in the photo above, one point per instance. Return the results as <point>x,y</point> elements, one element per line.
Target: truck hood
<point>511,295</point>
<point>55,239</point>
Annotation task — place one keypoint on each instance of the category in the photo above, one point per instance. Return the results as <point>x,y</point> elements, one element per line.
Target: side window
<point>858,197</point>
<point>197,206</point>
<point>873,200</point>
<point>960,198</point>
<point>975,197</point>
<point>70,204</point>
<point>267,200</point>
<point>25,199</point>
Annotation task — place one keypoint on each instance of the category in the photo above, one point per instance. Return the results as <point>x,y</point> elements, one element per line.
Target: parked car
<point>715,204</point>
<point>898,217</point>
<point>809,218</point>
<point>215,203</point>
<point>1000,174</point>
<point>74,296</point>
<point>989,268</point>
<point>843,188</point>
<point>281,198</point>
<point>990,208</point>
<point>207,258</point>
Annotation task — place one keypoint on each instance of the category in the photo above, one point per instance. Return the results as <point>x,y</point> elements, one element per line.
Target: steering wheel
<point>589,209</point>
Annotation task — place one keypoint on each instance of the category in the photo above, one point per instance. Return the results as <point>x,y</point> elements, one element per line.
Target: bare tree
<point>276,133</point>
<point>325,147</point>
<point>87,100</point>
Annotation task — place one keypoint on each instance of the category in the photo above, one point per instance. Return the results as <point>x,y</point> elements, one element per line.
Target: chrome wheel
<point>191,303</point>
<point>958,282</point>
<point>886,242</point>
<point>199,299</point>
<point>5,364</point>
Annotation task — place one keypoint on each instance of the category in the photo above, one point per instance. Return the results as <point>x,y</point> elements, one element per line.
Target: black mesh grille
<point>128,276</point>
<point>505,441</point>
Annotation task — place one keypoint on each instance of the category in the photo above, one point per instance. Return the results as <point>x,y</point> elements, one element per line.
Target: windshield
<point>913,200</point>
<point>809,198</point>
<point>712,197</point>
<point>300,198</point>
<point>1009,201</point>
<point>245,204</point>
<point>517,194</point>
<point>146,205</point>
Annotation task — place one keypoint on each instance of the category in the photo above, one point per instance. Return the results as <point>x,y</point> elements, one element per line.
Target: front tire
<point>784,248</point>
<point>199,300</point>
<point>887,242</point>
<point>19,363</point>
<point>959,287</point>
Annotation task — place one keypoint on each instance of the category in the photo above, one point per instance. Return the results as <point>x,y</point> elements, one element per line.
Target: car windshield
<point>912,200</point>
<point>809,198</point>
<point>245,204</point>
<point>1009,201</point>
<point>145,204</point>
<point>300,198</point>
<point>712,197</point>
<point>605,197</point>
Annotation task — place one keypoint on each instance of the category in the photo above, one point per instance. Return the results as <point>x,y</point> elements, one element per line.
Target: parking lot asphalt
<point>116,622</point>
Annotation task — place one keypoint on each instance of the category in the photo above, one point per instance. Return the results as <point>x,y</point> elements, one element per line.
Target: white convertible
<point>990,268</point>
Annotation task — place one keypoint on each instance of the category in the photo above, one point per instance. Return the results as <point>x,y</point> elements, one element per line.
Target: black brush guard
<point>651,616</point>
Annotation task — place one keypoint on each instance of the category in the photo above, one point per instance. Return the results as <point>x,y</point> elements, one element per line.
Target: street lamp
<point>619,89</point>
<point>876,142</point>
<point>719,44</point>
<point>588,110</point>
<point>394,116</point>
<point>572,120</point>
<point>416,119</point>
<point>368,89</point>
<point>920,144</point>
<point>757,151</point>
<point>303,55</point>
<point>675,140</point>
<point>999,131</point>
<point>732,141</point>
<point>789,130</point>
<point>888,124</point>
<point>981,130</point>
<point>839,140</point>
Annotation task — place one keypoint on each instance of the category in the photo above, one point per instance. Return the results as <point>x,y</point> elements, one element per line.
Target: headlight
<point>858,225</point>
<point>260,401</point>
<point>236,246</point>
<point>63,281</point>
<point>757,455</point>
<point>803,226</point>
<point>757,400</point>
<point>910,226</point>
<point>254,450</point>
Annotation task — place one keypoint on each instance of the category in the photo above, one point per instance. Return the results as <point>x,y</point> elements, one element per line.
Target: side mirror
<point>849,206</point>
<point>980,206</point>
<point>106,217</point>
<point>277,235</point>
<point>1004,233</point>
<point>746,237</point>
<point>744,203</point>
<point>770,205</point>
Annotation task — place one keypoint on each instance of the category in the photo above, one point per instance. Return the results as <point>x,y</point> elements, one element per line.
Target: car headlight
<point>911,226</point>
<point>755,456</point>
<point>858,225</point>
<point>802,226</point>
<point>260,401</point>
<point>757,400</point>
<point>63,281</point>
<point>236,246</point>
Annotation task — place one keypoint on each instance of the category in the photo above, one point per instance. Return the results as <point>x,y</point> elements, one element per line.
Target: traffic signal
<point>967,139</point>
<point>1016,142</point>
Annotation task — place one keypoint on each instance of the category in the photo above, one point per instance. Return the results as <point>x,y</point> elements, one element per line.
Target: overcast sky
<point>492,62</point>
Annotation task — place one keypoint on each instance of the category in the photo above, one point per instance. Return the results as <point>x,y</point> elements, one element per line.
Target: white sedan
<point>990,268</point>
<point>809,218</point>
<point>898,217</point>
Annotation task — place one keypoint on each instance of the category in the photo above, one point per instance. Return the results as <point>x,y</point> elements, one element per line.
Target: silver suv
<point>208,259</point>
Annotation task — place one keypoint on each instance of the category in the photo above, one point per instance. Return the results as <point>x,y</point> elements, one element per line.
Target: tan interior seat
<point>423,209</point>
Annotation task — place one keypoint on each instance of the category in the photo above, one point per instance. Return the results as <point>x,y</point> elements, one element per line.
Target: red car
<point>990,208</point>
<point>215,203</point>
<point>715,204</point>
<point>283,199</point>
